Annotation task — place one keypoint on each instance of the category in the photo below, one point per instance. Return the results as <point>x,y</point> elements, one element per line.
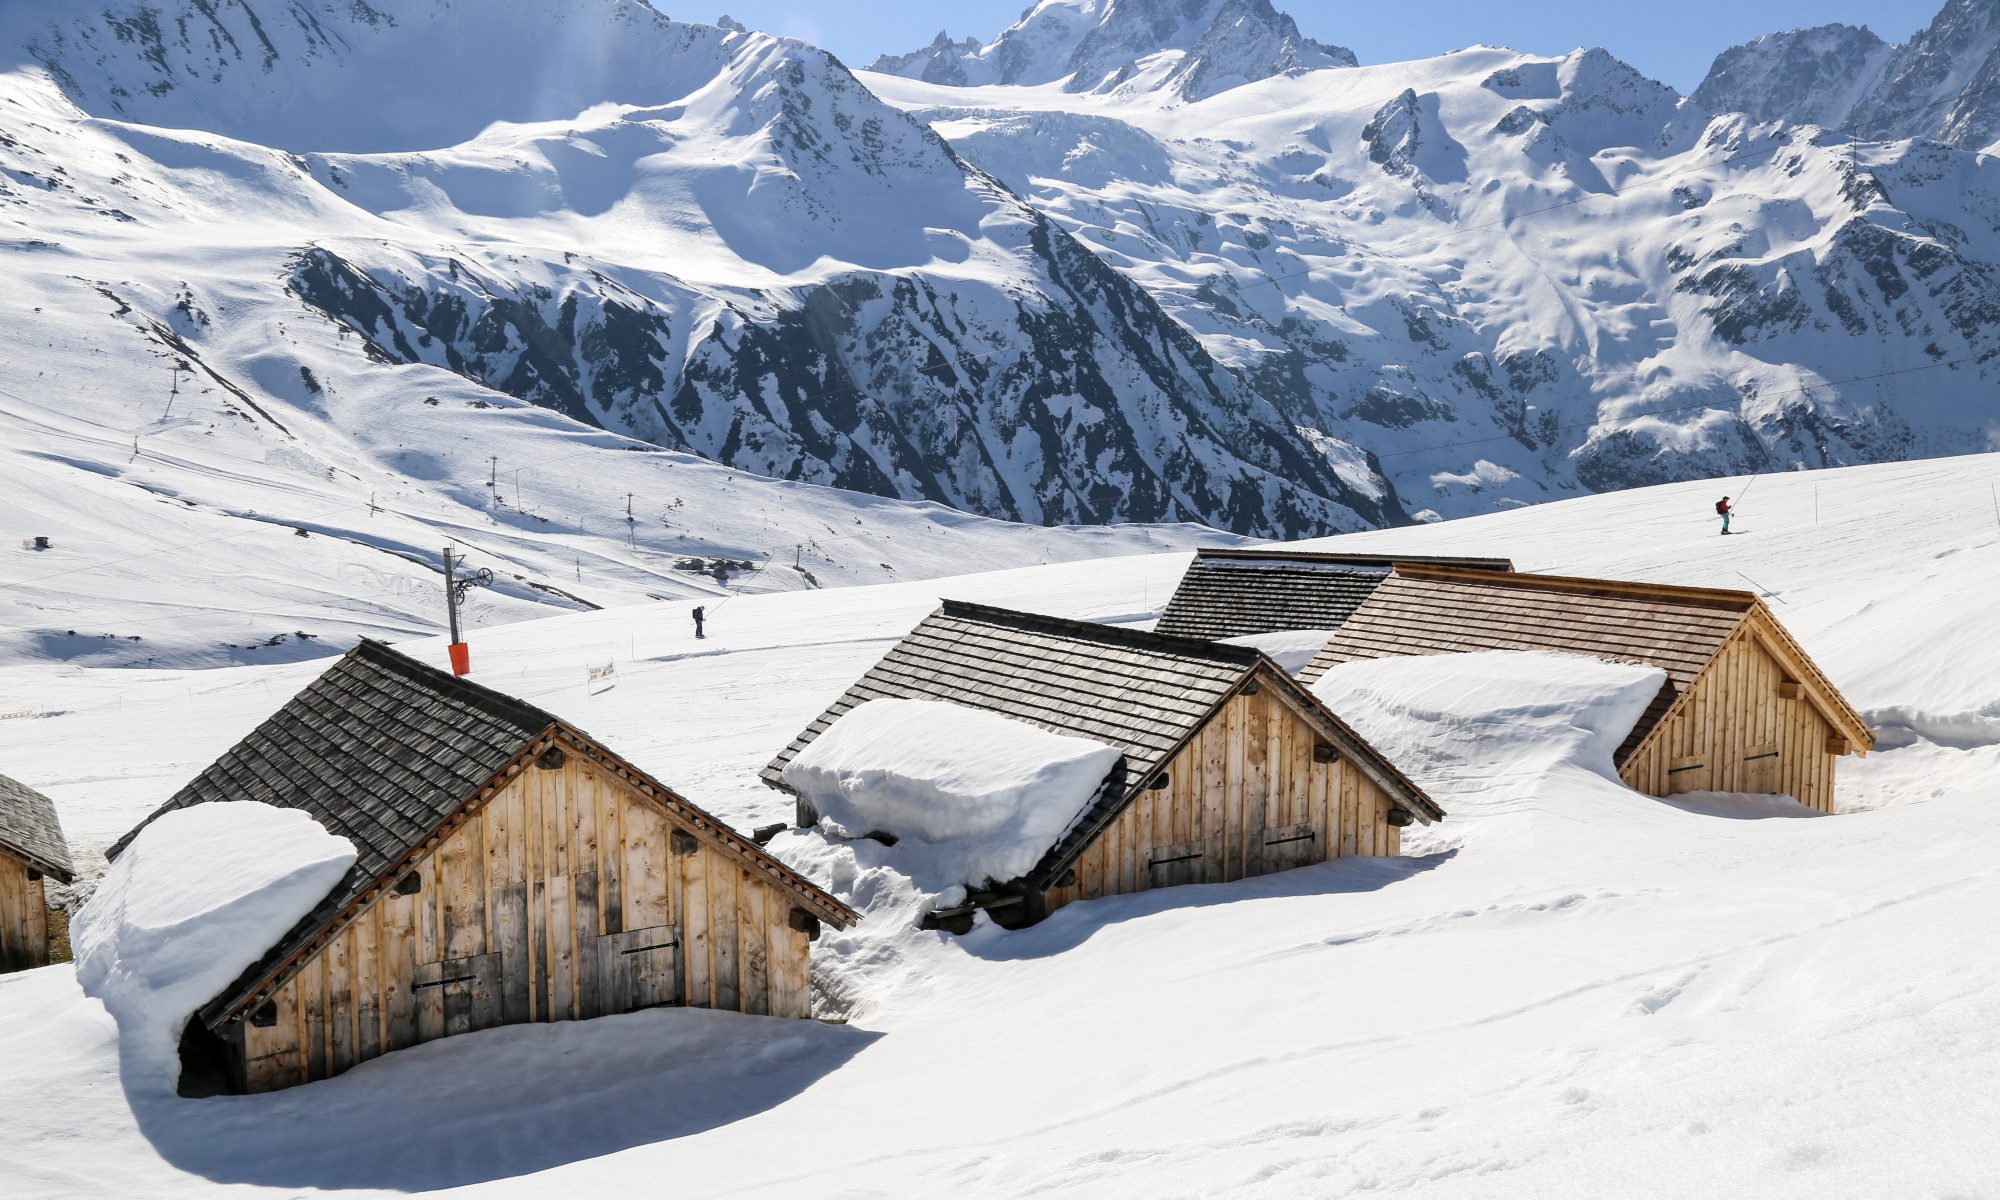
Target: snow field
<point>1577,991</point>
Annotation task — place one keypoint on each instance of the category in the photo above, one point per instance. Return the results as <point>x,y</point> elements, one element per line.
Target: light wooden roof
<point>1236,593</point>
<point>1142,692</point>
<point>30,831</point>
<point>1431,610</point>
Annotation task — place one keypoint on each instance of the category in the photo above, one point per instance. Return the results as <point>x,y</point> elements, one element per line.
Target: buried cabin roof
<point>1433,610</point>
<point>30,831</point>
<point>386,751</point>
<point>1145,693</point>
<point>1239,593</point>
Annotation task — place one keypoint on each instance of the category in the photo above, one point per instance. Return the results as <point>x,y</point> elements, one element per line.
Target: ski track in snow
<point>1566,990</point>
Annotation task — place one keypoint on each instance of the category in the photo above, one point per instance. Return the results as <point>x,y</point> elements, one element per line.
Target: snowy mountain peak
<point>1196,48</point>
<point>342,75</point>
<point>1943,84</point>
<point>1814,76</point>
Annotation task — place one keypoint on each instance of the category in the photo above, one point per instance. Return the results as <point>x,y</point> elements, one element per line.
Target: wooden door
<point>637,968</point>
<point>1689,773</point>
<point>457,995</point>
<point>1288,846</point>
<point>1170,866</point>
<point>1761,770</point>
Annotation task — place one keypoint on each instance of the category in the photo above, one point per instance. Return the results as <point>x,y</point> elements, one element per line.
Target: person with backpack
<point>1723,510</point>
<point>697,623</point>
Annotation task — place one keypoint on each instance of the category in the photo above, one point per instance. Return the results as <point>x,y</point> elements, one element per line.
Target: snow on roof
<point>197,897</point>
<point>1291,649</point>
<point>973,796</point>
<point>1143,692</point>
<point>1441,716</point>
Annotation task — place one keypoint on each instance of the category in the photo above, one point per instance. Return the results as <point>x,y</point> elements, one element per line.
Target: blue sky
<point>1672,42</point>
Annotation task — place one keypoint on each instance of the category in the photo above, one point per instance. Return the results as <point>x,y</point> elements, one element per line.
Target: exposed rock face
<point>759,261</point>
<point>1944,83</point>
<point>1530,277</point>
<point>1812,76</point>
<point>1248,41</point>
<point>1205,46</point>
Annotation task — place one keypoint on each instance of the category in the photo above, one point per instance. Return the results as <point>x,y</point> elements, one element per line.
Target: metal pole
<point>451,592</point>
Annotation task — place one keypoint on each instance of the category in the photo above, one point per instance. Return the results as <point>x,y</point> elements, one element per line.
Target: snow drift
<point>972,795</point>
<point>196,898</point>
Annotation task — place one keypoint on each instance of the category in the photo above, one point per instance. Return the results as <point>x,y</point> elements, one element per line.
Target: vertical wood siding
<point>1243,797</point>
<point>562,899</point>
<point>1734,732</point>
<point>24,917</point>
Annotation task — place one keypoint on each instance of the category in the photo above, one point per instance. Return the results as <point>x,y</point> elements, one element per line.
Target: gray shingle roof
<point>30,830</point>
<point>380,749</point>
<point>1237,593</point>
<point>1145,693</point>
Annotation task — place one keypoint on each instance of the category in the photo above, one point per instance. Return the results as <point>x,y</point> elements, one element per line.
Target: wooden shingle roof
<point>1430,610</point>
<point>380,749</point>
<point>1237,593</point>
<point>30,831</point>
<point>385,751</point>
<point>1145,693</point>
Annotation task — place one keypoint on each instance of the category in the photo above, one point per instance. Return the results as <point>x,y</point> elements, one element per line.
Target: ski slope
<point>1566,989</point>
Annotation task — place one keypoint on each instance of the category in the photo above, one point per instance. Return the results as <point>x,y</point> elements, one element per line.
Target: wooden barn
<point>1241,593</point>
<point>1743,709</point>
<point>1230,768</point>
<point>32,852</point>
<point>511,869</point>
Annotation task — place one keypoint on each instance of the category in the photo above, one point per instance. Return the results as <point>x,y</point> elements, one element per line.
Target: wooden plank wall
<point>1244,797</point>
<point>24,917</point>
<point>564,898</point>
<point>1735,733</point>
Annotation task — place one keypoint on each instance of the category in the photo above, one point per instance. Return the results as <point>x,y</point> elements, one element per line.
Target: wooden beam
<point>1788,689</point>
<point>1835,744</point>
<point>1719,597</point>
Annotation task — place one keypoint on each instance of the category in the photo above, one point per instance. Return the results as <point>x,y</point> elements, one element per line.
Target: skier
<point>697,623</point>
<point>1723,510</point>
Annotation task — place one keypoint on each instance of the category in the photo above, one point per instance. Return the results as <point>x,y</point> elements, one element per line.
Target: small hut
<point>511,869</point>
<point>1229,767</point>
<point>32,852</point>
<point>1243,593</point>
<point>1743,708</point>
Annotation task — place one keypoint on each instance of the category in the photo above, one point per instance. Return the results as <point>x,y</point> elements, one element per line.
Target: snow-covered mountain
<point>1192,48</point>
<point>246,383</point>
<point>1944,83</point>
<point>1223,282</point>
<point>1811,76</point>
<point>703,238</point>
<point>1512,277</point>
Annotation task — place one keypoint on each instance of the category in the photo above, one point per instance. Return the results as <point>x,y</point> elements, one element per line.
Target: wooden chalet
<point>1743,709</point>
<point>1231,768</point>
<point>1240,593</point>
<point>511,869</point>
<point>32,851</point>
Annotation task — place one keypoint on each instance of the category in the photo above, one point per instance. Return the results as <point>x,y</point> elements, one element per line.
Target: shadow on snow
<point>501,1102</point>
<point>1076,924</point>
